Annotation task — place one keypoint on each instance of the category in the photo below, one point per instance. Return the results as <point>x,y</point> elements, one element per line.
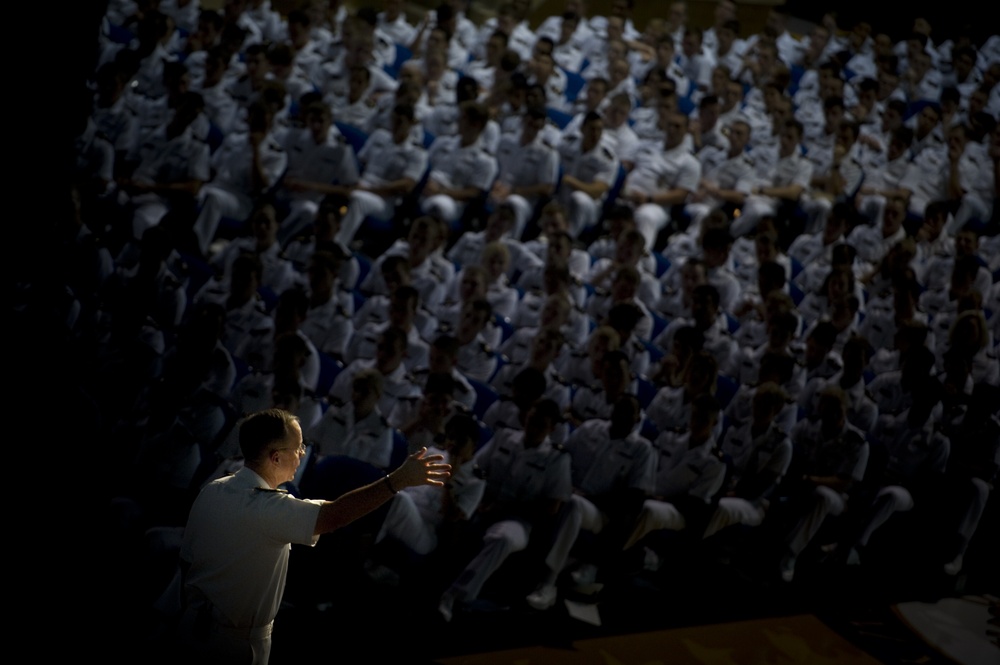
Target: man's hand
<point>500,191</point>
<point>421,469</point>
<point>637,197</point>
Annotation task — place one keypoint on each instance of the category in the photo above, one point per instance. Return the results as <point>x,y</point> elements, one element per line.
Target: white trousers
<point>825,501</point>
<point>582,211</point>
<point>889,500</point>
<point>655,515</point>
<point>650,219</point>
<point>577,514</point>
<point>363,204</point>
<point>217,203</point>
<point>443,207</point>
<point>500,541</point>
<point>404,523</point>
<point>734,510</point>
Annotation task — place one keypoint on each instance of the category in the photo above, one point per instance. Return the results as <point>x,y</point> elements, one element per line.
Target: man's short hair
<point>264,429</point>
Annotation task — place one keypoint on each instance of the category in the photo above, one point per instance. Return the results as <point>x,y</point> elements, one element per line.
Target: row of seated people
<point>731,150</point>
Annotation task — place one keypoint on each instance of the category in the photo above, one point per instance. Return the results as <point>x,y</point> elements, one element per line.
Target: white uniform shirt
<point>601,464</point>
<point>368,440</point>
<point>681,470</point>
<point>237,540</point>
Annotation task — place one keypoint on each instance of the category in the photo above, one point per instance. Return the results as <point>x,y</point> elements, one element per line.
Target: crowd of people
<point>626,282</point>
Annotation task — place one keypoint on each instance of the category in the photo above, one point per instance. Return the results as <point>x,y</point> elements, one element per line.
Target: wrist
<point>388,483</point>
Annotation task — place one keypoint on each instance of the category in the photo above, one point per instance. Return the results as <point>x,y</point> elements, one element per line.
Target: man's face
<point>676,129</point>
<point>891,120</point>
<point>265,226</point>
<point>724,11</point>
<point>920,64</point>
<point>388,356</point>
<point>494,49</point>
<point>319,126</point>
<point>537,427</point>
<point>257,67</point>
<point>393,8</point>
<point>290,455</point>
<point>789,140</point>
<point>566,29</point>
<point>616,115</point>
<point>677,15</point>
<point>834,229</point>
<point>472,322</point>
<point>887,84</point>
<point>401,126</point>
<point>726,37</point>
<point>703,311</point>
<point>544,349</point>
<point>363,397</point>
<point>436,41</point>
<point>963,66</point>
<point>691,276</point>
<point>422,238</point>
<point>927,120</point>
<point>616,27</point>
<point>818,39</point>
<point>690,44</point>
<point>846,136</point>
<point>542,66</point>
<point>720,82</point>
<point>966,243</point>
<point>739,136</point>
<point>708,115</point>
<point>592,133</point>
<point>595,94</point>
<point>833,115</point>
<point>401,311</point>
<point>536,97</point>
<point>616,376</point>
